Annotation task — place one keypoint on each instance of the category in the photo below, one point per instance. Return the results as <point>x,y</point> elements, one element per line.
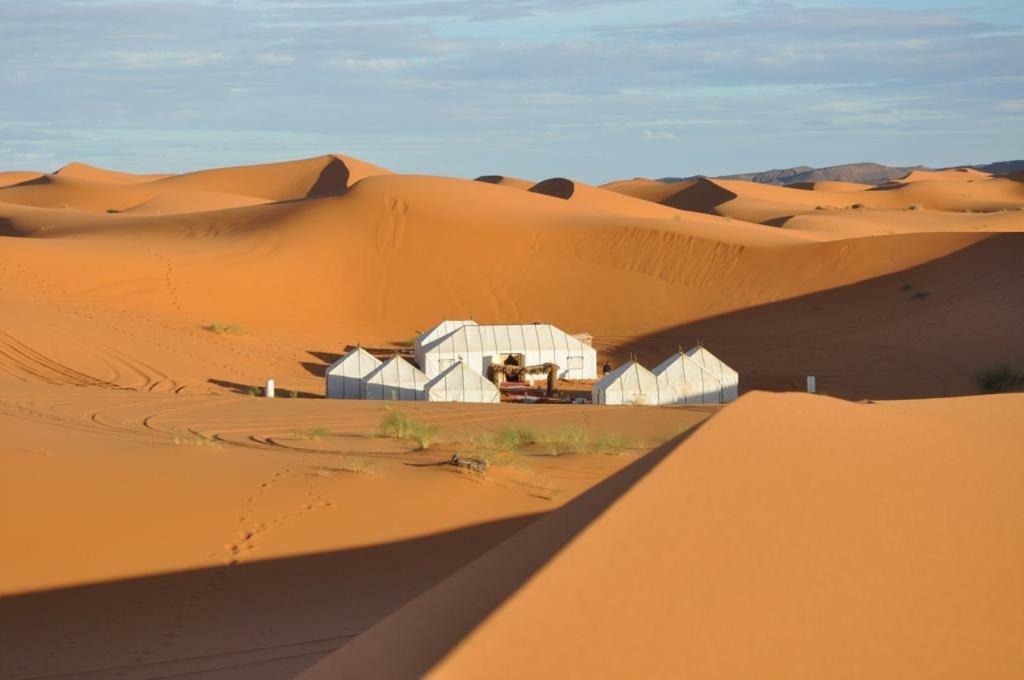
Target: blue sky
<point>590,89</point>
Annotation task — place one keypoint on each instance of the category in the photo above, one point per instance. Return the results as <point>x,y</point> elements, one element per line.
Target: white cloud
<point>166,59</point>
<point>1011,105</point>
<point>275,58</point>
<point>650,135</point>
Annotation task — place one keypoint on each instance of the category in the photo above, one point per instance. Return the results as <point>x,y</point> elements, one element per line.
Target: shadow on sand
<point>922,332</point>
<point>274,618</point>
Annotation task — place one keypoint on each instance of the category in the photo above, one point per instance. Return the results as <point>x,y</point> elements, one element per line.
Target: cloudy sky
<point>592,89</point>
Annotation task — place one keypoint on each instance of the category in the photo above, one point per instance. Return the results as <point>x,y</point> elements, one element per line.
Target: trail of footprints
<point>247,539</point>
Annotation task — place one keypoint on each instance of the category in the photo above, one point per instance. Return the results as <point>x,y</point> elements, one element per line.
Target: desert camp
<point>505,362</point>
<point>537,339</point>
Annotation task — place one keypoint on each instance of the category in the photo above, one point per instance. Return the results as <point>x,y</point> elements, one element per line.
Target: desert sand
<point>161,521</point>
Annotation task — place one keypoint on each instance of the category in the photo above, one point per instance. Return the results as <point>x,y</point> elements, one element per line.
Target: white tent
<point>396,380</point>
<point>729,378</point>
<point>480,346</point>
<point>462,383</point>
<point>345,376</point>
<point>681,380</point>
<point>630,384</point>
<point>439,331</point>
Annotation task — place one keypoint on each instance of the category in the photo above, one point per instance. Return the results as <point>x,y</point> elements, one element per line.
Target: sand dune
<point>602,201</point>
<point>85,188</point>
<point>214,534</point>
<point>91,173</point>
<point>766,203</point>
<point>804,541</point>
<point>504,181</point>
<point>645,274</point>
<point>950,174</point>
<point>10,178</point>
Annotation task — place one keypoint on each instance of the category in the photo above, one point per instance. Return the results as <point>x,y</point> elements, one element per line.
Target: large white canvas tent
<point>396,380</point>
<point>532,344</point>
<point>426,338</point>
<point>729,378</point>
<point>630,384</point>
<point>681,380</point>
<point>462,383</point>
<point>345,376</point>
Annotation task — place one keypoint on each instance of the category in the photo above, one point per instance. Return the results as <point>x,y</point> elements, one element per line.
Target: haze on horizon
<point>593,89</point>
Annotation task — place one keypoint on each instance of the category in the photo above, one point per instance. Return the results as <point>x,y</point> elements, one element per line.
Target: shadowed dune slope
<point>602,200</point>
<point>803,540</point>
<point>502,180</point>
<point>12,177</point>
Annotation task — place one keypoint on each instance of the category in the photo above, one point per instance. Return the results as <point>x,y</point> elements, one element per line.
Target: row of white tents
<point>456,356</point>
<point>480,346</point>
<point>693,377</point>
<point>360,375</point>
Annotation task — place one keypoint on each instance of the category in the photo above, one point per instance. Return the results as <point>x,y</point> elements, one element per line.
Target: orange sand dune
<point>13,177</point>
<point>91,173</point>
<point>163,507</point>
<point>94,191</point>
<point>603,200</point>
<point>180,201</point>
<point>504,181</point>
<point>792,536</point>
<point>831,186</point>
<point>644,275</point>
<point>950,174</point>
<point>855,223</point>
<point>763,203</point>
<point>648,189</point>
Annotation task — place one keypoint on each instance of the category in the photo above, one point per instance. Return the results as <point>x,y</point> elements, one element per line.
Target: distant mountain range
<point>863,173</point>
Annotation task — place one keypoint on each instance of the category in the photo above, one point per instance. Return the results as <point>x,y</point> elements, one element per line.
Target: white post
<point>269,391</point>
<point>811,384</point>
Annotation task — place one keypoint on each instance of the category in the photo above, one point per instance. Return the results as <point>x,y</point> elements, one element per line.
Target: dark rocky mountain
<point>863,173</point>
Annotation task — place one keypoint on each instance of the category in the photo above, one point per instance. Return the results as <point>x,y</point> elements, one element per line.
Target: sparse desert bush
<point>613,444</point>
<point>293,394</point>
<point>513,437</point>
<point>395,425</point>
<point>915,206</point>
<point>999,378</point>
<point>570,439</point>
<point>316,432</point>
<point>857,206</point>
<point>907,286</point>
<point>353,465</point>
<point>254,391</point>
<point>225,328</point>
<point>190,438</point>
<point>920,295</point>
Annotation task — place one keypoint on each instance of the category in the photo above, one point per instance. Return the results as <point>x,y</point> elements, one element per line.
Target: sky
<point>595,90</point>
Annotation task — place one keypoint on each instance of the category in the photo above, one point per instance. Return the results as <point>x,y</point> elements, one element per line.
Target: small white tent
<point>396,380</point>
<point>462,383</point>
<point>681,380</point>
<point>630,384</point>
<point>345,376</point>
<point>437,332</point>
<point>729,378</point>
<point>535,344</point>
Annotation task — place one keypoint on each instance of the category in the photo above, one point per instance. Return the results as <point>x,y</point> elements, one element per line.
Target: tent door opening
<point>513,364</point>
